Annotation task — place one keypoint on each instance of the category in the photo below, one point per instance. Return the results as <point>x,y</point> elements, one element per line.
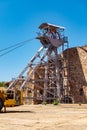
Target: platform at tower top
<point>48,25</point>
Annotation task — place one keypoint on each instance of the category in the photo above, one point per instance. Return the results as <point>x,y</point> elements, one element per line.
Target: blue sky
<point>19,21</point>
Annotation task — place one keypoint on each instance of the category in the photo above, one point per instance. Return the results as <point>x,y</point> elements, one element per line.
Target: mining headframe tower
<point>43,76</point>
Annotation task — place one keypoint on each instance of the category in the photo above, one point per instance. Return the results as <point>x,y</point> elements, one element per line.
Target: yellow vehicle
<point>10,98</point>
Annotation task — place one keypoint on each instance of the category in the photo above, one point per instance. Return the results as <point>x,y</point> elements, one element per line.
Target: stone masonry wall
<point>77,73</point>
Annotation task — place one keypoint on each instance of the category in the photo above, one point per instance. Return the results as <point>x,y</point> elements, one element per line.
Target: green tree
<point>2,84</point>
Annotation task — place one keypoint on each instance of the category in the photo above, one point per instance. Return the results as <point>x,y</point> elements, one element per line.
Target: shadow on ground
<point>8,111</point>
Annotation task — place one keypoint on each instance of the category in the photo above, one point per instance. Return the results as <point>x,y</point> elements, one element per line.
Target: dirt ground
<point>45,117</point>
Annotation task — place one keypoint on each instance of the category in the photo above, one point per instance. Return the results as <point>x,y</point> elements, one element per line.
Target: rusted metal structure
<point>49,85</point>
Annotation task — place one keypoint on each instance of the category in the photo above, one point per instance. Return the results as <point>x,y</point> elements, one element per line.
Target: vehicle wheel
<point>1,104</point>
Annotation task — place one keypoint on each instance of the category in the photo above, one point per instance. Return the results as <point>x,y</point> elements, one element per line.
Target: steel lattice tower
<point>44,68</point>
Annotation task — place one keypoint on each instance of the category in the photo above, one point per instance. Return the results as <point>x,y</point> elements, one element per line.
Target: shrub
<point>56,102</point>
<point>44,103</point>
